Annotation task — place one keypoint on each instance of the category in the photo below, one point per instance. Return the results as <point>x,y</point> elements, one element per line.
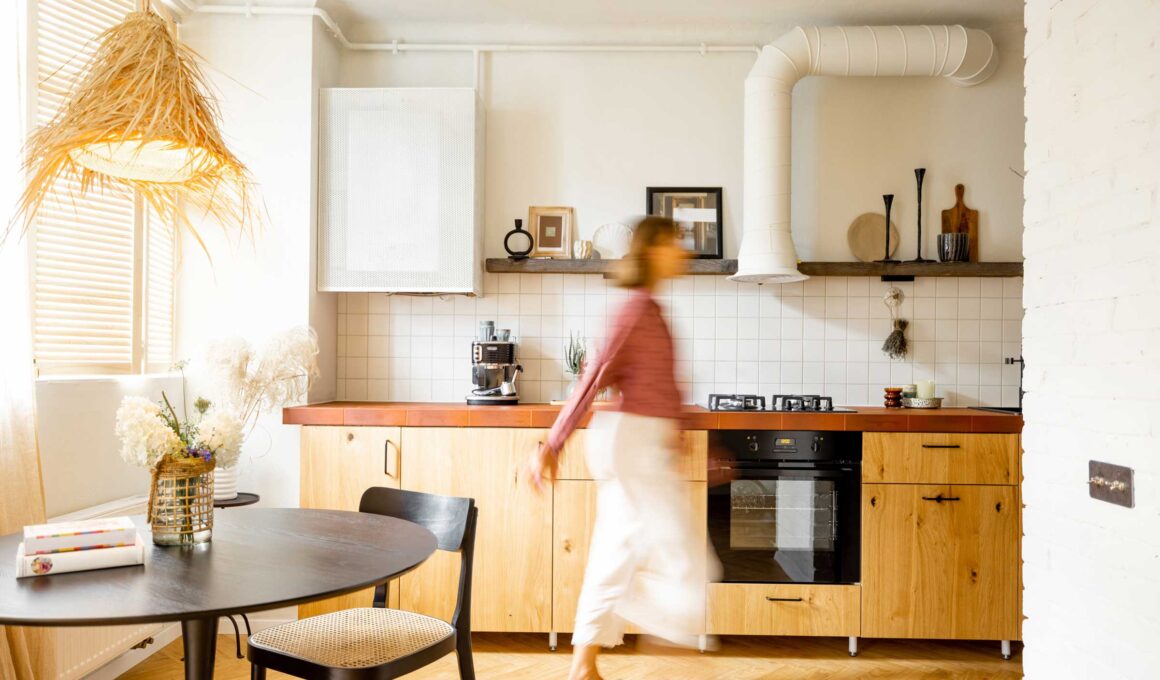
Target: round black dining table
<point>259,558</point>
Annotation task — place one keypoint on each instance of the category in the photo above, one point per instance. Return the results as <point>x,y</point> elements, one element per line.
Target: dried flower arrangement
<point>138,121</point>
<point>151,432</point>
<point>250,383</point>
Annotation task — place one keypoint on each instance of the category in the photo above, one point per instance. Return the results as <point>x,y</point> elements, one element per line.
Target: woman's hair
<point>635,270</point>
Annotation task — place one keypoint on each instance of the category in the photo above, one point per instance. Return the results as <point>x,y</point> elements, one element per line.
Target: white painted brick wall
<point>1091,336</point>
<point>823,336</point>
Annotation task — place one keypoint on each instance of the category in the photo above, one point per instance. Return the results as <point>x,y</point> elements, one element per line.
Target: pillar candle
<point>925,389</point>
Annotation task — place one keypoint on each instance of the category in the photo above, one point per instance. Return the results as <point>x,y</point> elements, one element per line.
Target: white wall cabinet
<point>400,190</point>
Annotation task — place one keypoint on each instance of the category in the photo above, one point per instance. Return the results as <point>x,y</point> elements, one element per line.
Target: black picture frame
<point>702,239</point>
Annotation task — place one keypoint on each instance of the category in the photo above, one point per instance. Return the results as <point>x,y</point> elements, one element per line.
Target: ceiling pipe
<point>397,46</point>
<point>966,56</point>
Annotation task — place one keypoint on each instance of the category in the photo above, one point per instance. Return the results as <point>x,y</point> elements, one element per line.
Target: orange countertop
<point>867,418</point>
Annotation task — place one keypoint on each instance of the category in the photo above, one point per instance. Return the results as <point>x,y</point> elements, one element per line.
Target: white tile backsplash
<point>821,335</point>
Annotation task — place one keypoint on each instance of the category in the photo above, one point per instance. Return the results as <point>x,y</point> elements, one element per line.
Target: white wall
<point>266,73</point>
<point>1092,337</point>
<point>593,130</point>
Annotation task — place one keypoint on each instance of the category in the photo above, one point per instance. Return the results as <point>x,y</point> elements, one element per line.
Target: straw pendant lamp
<point>139,120</point>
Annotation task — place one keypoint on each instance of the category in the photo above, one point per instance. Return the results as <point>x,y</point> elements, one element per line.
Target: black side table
<point>238,501</point>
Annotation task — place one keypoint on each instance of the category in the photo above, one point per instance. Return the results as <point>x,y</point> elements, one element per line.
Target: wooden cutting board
<point>962,219</point>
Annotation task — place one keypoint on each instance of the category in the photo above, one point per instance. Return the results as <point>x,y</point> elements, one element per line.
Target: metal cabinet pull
<point>940,498</point>
<point>387,458</point>
<point>783,599</point>
<point>941,446</point>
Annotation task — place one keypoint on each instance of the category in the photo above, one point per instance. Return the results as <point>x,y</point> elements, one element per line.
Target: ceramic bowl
<point>915,402</point>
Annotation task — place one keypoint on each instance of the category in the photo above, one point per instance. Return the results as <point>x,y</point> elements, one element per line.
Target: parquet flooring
<point>526,657</point>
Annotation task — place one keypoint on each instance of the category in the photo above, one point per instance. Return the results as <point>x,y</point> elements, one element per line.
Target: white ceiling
<point>381,19</point>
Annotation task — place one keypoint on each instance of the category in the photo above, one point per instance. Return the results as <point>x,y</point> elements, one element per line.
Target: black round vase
<point>518,253</point>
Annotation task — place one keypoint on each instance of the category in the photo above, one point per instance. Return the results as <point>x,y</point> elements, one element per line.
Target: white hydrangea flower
<point>221,432</point>
<point>145,436</point>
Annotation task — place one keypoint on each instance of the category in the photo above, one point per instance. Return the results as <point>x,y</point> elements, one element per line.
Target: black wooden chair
<point>376,643</point>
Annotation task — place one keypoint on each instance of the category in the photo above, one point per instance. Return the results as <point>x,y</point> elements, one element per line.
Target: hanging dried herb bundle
<point>138,120</point>
<point>895,344</point>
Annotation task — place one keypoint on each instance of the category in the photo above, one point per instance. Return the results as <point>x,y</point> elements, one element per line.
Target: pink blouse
<point>638,358</point>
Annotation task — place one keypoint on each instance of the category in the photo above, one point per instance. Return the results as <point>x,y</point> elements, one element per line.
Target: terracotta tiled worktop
<point>867,419</point>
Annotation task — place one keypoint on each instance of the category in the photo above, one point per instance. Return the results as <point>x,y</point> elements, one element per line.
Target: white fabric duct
<point>965,55</point>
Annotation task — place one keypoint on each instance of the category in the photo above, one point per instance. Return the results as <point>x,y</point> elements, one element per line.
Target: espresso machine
<point>493,369</point>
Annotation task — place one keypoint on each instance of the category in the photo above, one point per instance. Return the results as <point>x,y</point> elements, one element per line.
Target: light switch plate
<point>1110,483</point>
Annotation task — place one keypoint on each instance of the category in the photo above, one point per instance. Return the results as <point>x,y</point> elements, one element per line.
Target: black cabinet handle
<point>940,498</point>
<point>783,599</point>
<point>941,446</point>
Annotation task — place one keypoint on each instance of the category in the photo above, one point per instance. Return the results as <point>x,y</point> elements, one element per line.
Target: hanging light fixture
<point>139,121</point>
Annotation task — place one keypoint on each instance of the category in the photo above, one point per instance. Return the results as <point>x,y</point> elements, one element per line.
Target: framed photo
<point>699,214</point>
<point>551,229</point>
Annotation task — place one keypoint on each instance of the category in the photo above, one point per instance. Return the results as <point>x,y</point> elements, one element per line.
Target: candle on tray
<point>925,389</point>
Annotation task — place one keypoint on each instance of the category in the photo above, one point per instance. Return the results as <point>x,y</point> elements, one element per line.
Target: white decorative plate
<point>612,240</point>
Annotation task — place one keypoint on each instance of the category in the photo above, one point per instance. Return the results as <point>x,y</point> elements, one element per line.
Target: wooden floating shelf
<point>502,265</point>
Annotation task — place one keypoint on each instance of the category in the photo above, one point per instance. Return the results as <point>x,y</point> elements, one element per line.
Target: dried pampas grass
<point>138,121</point>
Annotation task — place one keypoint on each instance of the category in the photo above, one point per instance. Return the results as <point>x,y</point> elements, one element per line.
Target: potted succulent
<point>574,354</point>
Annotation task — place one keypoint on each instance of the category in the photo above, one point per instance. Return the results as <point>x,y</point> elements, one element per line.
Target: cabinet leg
<point>853,645</point>
<point>1005,647</point>
<point>702,643</point>
<point>552,640</point>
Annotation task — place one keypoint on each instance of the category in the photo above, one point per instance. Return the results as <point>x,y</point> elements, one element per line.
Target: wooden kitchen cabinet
<point>691,461</point>
<point>937,458</point>
<point>575,515</point>
<point>513,544</point>
<point>337,465</point>
<point>940,569</point>
<point>784,609</point>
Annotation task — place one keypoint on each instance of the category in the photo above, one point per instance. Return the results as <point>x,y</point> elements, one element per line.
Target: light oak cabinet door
<point>338,464</point>
<point>513,542</point>
<point>946,569</point>
<point>575,515</point>
<point>784,609</point>
<point>940,458</point>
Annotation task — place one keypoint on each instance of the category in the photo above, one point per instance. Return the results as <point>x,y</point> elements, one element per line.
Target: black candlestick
<point>888,199</point>
<point>918,175</point>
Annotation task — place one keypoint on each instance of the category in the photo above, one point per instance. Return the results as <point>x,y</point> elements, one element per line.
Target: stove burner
<point>736,402</point>
<point>802,402</point>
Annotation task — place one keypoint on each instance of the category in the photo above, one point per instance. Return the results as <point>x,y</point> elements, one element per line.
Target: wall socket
<point>1111,483</point>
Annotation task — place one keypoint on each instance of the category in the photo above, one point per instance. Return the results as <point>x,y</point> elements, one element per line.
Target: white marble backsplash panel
<point>820,336</point>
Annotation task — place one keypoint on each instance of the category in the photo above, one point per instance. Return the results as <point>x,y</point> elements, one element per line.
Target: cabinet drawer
<point>692,461</point>
<point>927,458</point>
<point>784,609</point>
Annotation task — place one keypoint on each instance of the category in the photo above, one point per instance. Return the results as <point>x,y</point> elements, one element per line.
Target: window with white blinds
<point>103,287</point>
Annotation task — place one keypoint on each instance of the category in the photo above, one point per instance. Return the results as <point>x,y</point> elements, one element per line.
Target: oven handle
<point>784,599</point>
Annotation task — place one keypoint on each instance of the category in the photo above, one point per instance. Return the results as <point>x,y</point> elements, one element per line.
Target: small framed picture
<point>551,229</point>
<point>699,214</point>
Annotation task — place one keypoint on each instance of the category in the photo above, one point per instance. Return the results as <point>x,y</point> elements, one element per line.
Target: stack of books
<point>79,546</point>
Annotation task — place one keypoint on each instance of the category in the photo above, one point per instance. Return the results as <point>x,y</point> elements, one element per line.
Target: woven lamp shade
<point>138,121</point>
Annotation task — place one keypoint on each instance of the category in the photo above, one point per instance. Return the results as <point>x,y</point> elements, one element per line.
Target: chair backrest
<point>450,518</point>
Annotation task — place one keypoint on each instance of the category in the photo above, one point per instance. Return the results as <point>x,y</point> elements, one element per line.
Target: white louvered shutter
<point>103,286</point>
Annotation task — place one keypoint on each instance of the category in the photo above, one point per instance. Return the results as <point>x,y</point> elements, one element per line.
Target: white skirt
<point>647,564</point>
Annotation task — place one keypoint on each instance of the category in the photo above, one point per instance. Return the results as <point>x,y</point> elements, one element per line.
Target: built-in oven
<point>790,510</point>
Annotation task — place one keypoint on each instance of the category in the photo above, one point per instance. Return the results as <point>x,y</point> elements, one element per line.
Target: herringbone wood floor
<point>526,657</point>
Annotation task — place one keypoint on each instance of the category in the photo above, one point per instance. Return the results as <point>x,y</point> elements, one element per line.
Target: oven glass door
<point>772,525</point>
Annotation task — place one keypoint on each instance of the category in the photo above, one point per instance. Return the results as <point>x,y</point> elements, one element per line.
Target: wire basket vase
<point>181,501</point>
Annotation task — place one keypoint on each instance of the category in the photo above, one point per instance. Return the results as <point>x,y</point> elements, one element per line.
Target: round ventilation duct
<point>965,55</point>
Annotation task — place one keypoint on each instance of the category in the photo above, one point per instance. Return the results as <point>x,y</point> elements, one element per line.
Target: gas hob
<point>779,403</point>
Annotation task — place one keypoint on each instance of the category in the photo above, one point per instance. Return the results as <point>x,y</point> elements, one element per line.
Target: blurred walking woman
<point>642,515</point>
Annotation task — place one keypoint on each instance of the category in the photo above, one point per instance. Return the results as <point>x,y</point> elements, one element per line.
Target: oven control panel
<point>789,445</point>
